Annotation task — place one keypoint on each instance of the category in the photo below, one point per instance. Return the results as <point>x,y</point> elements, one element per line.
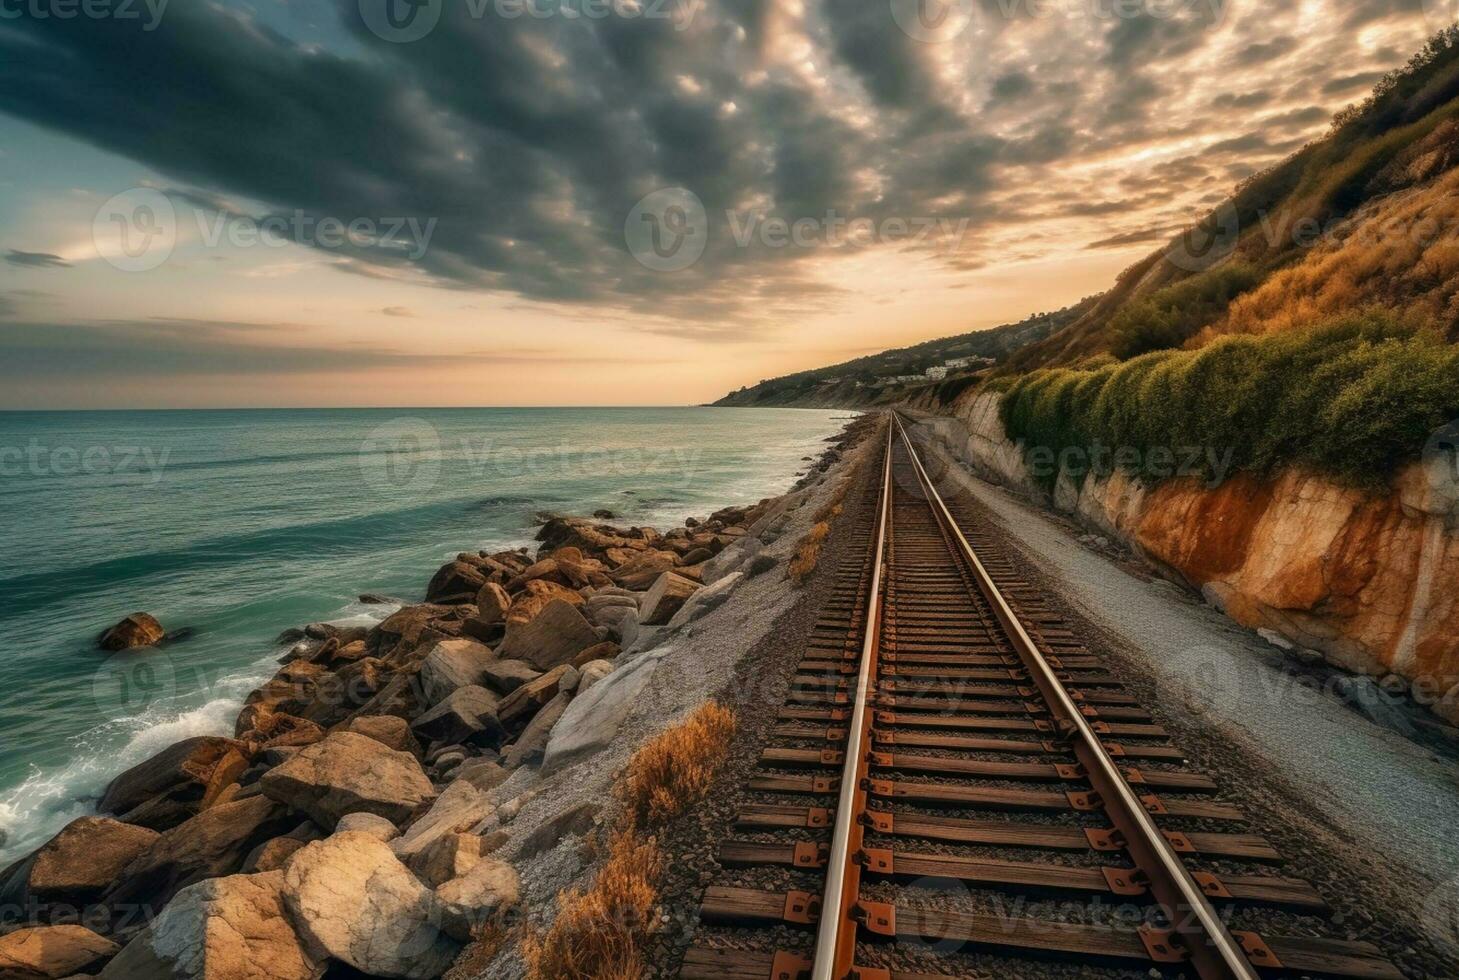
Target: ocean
<point>239,524</point>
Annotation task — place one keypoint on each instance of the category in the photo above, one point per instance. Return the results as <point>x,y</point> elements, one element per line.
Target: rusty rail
<point>924,664</point>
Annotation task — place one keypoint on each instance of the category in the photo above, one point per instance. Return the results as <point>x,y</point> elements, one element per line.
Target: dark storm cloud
<point>529,140</point>
<point>36,260</point>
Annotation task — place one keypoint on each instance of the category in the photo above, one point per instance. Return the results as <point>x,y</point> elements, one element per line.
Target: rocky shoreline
<point>361,820</point>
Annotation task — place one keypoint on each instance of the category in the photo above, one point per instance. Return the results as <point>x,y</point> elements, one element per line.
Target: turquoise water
<point>239,524</point>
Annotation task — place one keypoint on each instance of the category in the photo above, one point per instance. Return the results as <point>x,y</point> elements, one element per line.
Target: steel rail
<point>1213,950</point>
<point>836,936</point>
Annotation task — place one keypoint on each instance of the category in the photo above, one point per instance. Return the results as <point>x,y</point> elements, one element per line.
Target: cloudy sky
<point>519,202</point>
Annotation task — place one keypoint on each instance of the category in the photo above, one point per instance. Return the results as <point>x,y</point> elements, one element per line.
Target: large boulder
<point>531,745</point>
<point>469,713</point>
<point>210,845</point>
<point>389,730</point>
<point>137,630</point>
<point>668,593</point>
<point>348,773</point>
<point>592,720</point>
<point>457,581</point>
<point>406,629</point>
<point>445,859</point>
<point>508,675</point>
<point>479,896</point>
<point>641,572</point>
<point>591,673</point>
<point>557,634</point>
<point>84,859</point>
<point>453,664</point>
<point>705,600</point>
<point>52,952</point>
<point>461,806</point>
<point>352,900</point>
<point>233,928</point>
<point>171,786</point>
<point>522,703</point>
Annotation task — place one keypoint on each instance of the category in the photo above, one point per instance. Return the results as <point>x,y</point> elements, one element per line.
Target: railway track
<point>955,784</point>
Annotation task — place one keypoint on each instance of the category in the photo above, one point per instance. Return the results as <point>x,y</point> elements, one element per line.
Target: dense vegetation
<point>1171,316</point>
<point>1355,398</point>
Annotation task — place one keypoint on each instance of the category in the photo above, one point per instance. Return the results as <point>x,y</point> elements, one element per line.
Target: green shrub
<point>1355,398</point>
<point>1169,317</point>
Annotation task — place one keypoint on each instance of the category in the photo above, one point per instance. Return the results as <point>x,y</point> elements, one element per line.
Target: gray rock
<point>467,713</point>
<point>591,673</point>
<point>531,745</point>
<point>349,773</point>
<point>553,637</point>
<point>461,806</point>
<point>508,675</point>
<point>575,821</point>
<point>352,900</point>
<point>453,664</point>
<point>482,894</point>
<point>389,730</point>
<point>706,600</point>
<point>593,719</point>
<point>367,823</point>
<point>51,951</point>
<point>214,843</point>
<point>232,928</point>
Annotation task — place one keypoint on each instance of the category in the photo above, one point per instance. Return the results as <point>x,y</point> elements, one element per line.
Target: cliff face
<point>1370,582</point>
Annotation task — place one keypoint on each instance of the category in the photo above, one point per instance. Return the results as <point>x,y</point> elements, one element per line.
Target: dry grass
<point>807,554</point>
<point>601,933</point>
<point>1401,254</point>
<point>672,772</point>
<point>487,941</point>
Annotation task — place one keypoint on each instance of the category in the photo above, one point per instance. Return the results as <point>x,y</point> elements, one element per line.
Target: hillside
<point>856,382</point>
<point>1309,320</point>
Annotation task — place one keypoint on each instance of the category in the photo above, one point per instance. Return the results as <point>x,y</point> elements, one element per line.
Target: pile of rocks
<point>351,817</point>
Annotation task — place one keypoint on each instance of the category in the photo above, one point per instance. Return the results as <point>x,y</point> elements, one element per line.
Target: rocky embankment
<point>360,819</point>
<point>1367,583</point>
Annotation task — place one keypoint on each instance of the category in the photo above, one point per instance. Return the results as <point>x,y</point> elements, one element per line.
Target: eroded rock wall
<point>1369,581</point>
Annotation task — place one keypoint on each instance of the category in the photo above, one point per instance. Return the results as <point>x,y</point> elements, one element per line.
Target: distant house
<point>936,373</point>
<point>956,362</point>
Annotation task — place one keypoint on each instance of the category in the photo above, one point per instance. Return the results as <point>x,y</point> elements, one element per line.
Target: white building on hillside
<point>936,373</point>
